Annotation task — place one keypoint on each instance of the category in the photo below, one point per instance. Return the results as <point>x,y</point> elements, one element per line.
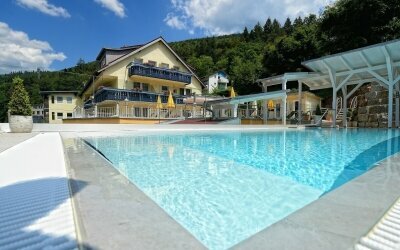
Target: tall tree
<point>287,27</point>
<point>350,24</point>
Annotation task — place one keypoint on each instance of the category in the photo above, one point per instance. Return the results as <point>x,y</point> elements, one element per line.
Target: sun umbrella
<point>170,103</point>
<point>270,104</point>
<point>158,107</point>
<point>232,94</point>
<point>159,104</point>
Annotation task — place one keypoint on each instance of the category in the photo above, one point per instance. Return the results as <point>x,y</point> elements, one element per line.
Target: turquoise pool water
<point>224,187</point>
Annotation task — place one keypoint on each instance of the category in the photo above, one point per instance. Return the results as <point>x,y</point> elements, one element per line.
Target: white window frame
<point>58,101</point>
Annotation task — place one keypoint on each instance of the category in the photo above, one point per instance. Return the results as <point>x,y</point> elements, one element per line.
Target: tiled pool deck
<point>114,214</point>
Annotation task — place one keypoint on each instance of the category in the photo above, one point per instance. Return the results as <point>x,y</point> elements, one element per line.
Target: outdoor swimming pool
<point>224,187</point>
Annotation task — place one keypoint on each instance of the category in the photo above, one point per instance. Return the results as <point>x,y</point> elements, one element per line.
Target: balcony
<point>161,73</point>
<point>111,94</point>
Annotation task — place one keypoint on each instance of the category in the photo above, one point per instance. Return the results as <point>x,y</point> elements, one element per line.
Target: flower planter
<point>318,119</point>
<point>20,123</point>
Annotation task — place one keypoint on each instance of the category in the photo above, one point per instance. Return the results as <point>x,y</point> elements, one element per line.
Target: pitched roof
<point>142,47</point>
<point>123,48</point>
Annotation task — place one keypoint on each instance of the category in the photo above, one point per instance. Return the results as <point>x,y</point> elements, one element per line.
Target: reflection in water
<point>224,187</point>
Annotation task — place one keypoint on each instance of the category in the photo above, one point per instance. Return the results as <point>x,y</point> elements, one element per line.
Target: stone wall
<point>372,111</point>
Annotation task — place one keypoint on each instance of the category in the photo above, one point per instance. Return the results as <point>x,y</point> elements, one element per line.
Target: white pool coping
<point>35,203</point>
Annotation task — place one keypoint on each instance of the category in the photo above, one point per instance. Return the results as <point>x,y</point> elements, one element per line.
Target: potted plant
<point>19,109</point>
<point>318,115</point>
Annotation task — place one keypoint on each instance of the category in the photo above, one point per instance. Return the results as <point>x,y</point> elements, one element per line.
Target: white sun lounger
<point>385,235</point>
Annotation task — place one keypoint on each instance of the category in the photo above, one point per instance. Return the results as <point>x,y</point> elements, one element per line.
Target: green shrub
<point>19,102</point>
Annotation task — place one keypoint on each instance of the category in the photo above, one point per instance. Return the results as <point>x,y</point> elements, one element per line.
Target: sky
<point>55,34</point>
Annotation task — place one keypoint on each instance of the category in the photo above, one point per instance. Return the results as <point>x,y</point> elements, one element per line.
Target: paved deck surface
<point>113,213</point>
<point>35,205</point>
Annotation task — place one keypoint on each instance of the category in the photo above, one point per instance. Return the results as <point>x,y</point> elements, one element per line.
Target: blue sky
<point>54,34</point>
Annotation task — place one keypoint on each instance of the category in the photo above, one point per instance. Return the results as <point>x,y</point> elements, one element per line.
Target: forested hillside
<point>67,79</point>
<point>264,50</point>
<point>272,48</point>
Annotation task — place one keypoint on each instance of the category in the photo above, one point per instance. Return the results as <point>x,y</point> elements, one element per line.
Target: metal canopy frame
<point>377,63</point>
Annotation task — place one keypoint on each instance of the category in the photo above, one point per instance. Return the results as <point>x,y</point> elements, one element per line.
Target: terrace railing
<point>161,73</point>
<point>111,94</point>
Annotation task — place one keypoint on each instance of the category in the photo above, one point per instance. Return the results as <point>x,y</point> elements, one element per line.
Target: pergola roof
<point>357,66</point>
<point>373,63</point>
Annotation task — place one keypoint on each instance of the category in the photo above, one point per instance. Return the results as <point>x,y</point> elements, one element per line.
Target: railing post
<point>117,110</point>
<point>95,111</point>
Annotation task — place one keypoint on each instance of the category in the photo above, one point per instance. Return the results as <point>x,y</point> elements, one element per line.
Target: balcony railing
<point>111,94</point>
<point>161,73</point>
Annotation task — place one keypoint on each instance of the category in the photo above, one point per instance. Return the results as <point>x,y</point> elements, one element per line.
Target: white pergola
<point>377,63</point>
<point>300,77</point>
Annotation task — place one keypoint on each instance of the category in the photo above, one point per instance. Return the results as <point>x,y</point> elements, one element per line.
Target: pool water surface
<point>224,187</point>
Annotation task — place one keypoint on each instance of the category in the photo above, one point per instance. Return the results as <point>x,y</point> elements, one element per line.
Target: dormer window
<point>152,63</point>
<point>138,60</point>
<point>164,65</point>
<point>103,62</point>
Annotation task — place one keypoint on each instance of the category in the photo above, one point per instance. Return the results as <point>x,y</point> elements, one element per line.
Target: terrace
<point>112,94</point>
<point>161,73</point>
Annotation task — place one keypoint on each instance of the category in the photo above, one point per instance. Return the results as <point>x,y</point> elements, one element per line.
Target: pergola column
<point>391,82</point>
<point>300,102</point>
<point>284,102</point>
<point>390,108</point>
<point>334,103</point>
<point>332,77</point>
<point>397,112</point>
<point>344,93</point>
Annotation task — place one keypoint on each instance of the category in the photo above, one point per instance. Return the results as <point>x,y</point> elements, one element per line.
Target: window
<point>136,85</point>
<point>175,68</point>
<point>69,115</point>
<point>145,112</point>
<point>164,65</point>
<point>69,99</point>
<point>59,116</point>
<point>152,63</point>
<point>138,61</point>
<point>145,87</point>
<point>53,116</point>
<point>164,88</point>
<point>188,92</point>
<point>182,91</point>
<point>137,112</point>
<point>59,99</point>
<point>52,99</point>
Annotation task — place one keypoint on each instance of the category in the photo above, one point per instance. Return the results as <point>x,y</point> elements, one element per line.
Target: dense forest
<point>264,50</point>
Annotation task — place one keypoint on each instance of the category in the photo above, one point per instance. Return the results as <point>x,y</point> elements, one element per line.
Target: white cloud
<point>175,22</point>
<point>44,7</point>
<point>217,17</point>
<point>114,5</point>
<point>18,52</point>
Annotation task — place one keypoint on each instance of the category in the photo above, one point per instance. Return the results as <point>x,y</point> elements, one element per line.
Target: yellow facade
<point>61,106</point>
<point>309,101</point>
<point>116,75</point>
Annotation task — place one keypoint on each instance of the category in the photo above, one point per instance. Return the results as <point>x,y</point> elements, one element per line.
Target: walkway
<point>35,204</point>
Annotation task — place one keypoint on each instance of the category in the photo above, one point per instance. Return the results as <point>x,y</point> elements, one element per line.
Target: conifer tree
<point>19,102</point>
